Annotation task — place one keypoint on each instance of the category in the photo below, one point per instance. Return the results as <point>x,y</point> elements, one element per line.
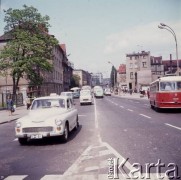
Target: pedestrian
<point>10,107</point>
<point>148,93</point>
<point>28,102</point>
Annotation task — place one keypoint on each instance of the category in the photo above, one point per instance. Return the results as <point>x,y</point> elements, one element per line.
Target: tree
<point>30,46</point>
<point>75,81</point>
<point>113,77</point>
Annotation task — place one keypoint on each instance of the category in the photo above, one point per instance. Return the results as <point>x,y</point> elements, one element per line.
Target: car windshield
<point>48,103</point>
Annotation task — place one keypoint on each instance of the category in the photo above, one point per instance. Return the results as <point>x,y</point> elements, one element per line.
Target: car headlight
<point>18,125</point>
<point>58,122</point>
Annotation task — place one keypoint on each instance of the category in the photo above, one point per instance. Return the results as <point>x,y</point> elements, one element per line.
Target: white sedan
<point>48,116</point>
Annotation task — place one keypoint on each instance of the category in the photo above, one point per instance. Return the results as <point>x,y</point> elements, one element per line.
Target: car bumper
<point>37,135</point>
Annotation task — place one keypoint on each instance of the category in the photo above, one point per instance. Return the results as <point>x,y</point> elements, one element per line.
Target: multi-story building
<point>121,76</point>
<point>67,70</point>
<point>97,78</point>
<point>138,70</point>
<point>157,68</point>
<point>85,77</point>
<point>170,66</point>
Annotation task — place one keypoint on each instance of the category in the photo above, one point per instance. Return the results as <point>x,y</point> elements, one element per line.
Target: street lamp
<point>168,28</point>
<point>114,73</point>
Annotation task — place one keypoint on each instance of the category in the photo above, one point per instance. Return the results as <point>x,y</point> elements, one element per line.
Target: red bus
<point>165,92</point>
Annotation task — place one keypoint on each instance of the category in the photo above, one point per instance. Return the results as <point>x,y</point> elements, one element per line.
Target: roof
<point>168,78</point>
<point>52,97</point>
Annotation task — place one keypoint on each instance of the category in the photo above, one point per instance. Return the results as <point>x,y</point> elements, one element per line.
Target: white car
<point>69,94</point>
<point>48,116</point>
<point>107,92</point>
<point>86,97</point>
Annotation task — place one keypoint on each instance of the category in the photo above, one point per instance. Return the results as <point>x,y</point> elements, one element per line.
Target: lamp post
<point>168,28</point>
<point>114,74</point>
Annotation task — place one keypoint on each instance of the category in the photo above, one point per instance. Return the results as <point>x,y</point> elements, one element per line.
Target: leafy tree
<point>29,48</point>
<point>75,81</point>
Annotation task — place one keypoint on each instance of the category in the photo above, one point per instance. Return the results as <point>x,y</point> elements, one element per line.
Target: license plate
<point>36,136</point>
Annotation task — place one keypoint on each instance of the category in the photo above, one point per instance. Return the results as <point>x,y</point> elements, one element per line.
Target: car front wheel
<point>22,141</point>
<point>66,133</point>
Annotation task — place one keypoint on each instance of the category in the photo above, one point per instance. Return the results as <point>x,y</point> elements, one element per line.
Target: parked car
<point>76,92</point>
<point>86,97</point>
<point>69,94</point>
<point>48,116</point>
<point>107,92</point>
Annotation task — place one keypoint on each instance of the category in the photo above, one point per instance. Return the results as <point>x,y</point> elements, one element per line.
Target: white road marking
<point>52,177</point>
<point>16,177</point>
<point>130,110</point>
<point>15,139</point>
<point>173,126</point>
<point>116,104</point>
<point>96,121</point>
<point>95,113</point>
<point>82,115</point>
<point>121,106</point>
<point>145,116</point>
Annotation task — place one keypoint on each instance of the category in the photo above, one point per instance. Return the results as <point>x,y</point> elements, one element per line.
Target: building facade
<point>85,77</point>
<point>138,70</point>
<point>121,77</point>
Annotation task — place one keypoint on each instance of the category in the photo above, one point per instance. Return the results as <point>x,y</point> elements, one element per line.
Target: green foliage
<point>75,81</point>
<point>113,77</point>
<point>30,47</point>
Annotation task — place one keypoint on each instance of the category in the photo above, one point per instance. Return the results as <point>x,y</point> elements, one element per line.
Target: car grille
<point>37,129</point>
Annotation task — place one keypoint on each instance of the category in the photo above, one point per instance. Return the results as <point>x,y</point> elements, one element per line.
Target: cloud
<point>145,37</point>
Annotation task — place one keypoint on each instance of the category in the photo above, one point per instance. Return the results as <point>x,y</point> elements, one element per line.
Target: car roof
<point>67,92</point>
<point>52,97</point>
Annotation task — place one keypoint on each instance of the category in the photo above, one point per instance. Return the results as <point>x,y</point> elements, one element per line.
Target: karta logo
<point>135,171</point>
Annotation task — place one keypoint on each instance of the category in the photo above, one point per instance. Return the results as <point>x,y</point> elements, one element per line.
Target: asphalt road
<point>111,127</point>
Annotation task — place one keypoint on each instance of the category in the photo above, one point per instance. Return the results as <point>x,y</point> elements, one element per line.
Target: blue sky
<point>98,31</point>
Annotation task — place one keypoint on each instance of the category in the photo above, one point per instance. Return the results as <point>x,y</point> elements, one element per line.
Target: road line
<point>130,110</point>
<point>16,177</point>
<point>116,104</point>
<point>145,116</point>
<point>173,126</point>
<point>81,115</point>
<point>121,106</point>
<point>96,121</point>
<point>15,139</point>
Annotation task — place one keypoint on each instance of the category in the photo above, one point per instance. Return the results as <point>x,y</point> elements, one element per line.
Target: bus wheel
<point>157,109</point>
<point>152,107</point>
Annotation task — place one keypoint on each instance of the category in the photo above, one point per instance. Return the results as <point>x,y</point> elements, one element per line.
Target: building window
<point>144,64</point>
<point>131,75</point>
<point>136,65</point>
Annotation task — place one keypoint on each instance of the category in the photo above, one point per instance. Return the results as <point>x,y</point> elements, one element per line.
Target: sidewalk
<point>19,112</point>
<point>131,96</point>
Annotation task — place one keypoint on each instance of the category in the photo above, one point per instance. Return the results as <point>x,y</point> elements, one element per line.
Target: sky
<point>98,31</point>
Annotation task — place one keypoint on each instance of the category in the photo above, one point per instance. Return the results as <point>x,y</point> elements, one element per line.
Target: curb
<point>129,97</point>
<point>9,121</point>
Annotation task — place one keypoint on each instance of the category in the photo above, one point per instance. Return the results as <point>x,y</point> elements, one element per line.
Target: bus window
<point>178,85</point>
<point>167,86</point>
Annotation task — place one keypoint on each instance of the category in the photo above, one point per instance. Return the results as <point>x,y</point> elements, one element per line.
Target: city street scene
<point>90,90</point>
